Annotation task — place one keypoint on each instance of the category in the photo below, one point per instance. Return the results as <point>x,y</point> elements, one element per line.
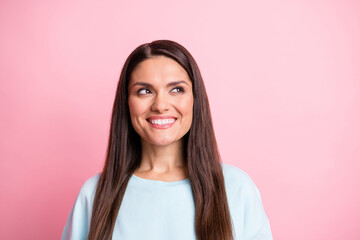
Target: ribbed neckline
<point>137,179</point>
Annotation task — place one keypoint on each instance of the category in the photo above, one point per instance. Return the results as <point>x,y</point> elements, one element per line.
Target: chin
<point>162,142</point>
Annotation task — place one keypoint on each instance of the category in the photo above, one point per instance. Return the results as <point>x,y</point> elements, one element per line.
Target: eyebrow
<point>168,85</point>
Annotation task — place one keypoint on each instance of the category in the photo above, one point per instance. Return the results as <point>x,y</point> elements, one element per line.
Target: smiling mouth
<point>161,122</point>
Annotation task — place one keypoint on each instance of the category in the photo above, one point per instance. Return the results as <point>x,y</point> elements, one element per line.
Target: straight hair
<point>123,156</point>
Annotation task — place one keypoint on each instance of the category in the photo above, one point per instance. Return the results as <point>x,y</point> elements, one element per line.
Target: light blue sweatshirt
<point>157,210</point>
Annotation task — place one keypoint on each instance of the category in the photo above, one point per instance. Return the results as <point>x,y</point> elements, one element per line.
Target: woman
<point>163,178</point>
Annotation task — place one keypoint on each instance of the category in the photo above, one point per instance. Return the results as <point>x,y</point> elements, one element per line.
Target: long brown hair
<point>212,216</point>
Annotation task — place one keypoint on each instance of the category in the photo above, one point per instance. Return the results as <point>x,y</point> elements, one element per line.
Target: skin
<point>159,86</point>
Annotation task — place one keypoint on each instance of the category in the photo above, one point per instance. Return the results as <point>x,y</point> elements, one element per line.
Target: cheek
<point>135,108</point>
<point>135,111</point>
<point>186,108</point>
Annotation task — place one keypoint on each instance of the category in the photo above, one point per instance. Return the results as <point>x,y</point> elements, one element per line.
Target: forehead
<point>159,68</point>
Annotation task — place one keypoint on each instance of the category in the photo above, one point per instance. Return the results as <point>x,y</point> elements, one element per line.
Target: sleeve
<point>256,223</point>
<point>78,222</point>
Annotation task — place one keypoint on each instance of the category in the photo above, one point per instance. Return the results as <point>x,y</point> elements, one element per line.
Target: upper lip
<point>160,117</point>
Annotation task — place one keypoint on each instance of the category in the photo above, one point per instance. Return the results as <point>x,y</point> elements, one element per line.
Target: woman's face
<point>160,101</point>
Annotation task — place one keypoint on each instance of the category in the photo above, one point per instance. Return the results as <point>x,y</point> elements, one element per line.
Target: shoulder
<point>237,180</point>
<point>245,204</point>
<point>231,170</point>
<point>78,222</point>
<point>89,187</point>
<point>233,174</point>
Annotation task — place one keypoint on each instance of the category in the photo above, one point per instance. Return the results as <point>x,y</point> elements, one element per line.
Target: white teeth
<point>162,121</point>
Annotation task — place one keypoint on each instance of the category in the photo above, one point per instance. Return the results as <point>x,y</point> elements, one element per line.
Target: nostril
<point>160,106</point>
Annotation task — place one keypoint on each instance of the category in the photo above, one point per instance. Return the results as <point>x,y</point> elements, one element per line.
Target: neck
<point>162,159</point>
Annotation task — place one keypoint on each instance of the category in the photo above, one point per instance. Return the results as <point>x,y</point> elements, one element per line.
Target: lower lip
<point>165,126</point>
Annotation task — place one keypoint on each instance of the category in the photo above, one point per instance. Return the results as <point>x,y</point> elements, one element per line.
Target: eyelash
<point>142,89</point>
<point>180,89</point>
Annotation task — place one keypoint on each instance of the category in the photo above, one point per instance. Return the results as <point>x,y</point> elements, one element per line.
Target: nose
<point>161,103</point>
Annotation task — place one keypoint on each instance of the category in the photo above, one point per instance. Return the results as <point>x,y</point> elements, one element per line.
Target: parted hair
<point>123,155</point>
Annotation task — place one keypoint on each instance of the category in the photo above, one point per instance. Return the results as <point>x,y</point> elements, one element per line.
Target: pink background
<point>283,78</point>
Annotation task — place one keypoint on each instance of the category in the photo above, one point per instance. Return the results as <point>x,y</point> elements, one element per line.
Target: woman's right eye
<point>143,91</point>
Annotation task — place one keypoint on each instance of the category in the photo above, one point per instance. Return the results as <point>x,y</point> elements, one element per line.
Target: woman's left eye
<point>177,89</point>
